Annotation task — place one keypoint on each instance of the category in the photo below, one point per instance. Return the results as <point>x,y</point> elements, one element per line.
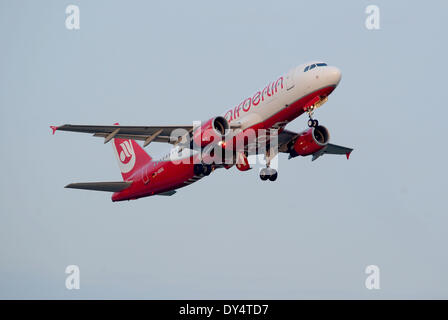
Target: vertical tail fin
<point>130,156</point>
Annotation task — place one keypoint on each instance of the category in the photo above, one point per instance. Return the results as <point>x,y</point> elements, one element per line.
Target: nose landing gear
<point>312,123</point>
<point>268,172</point>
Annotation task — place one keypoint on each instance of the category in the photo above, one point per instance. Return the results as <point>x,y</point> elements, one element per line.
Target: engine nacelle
<point>214,130</point>
<point>310,141</point>
<point>242,163</point>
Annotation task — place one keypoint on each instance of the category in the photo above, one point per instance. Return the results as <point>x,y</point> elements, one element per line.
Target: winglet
<point>54,128</point>
<point>348,155</point>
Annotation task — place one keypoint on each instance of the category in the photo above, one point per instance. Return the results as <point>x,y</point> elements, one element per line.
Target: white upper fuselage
<point>283,92</point>
<point>274,98</point>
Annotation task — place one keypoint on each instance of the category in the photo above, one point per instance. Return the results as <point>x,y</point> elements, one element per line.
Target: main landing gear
<point>268,173</point>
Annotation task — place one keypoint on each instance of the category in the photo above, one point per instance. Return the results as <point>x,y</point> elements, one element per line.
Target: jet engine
<point>213,130</point>
<point>310,141</point>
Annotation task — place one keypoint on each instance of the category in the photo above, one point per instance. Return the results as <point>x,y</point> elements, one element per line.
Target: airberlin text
<point>253,101</point>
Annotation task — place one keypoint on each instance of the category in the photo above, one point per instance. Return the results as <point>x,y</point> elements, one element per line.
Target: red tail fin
<point>130,155</point>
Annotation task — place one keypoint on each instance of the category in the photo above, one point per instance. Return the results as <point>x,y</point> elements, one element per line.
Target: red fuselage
<point>162,176</point>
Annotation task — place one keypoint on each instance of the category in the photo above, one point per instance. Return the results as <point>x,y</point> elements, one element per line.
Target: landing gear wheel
<point>264,175</point>
<point>268,173</point>
<point>206,169</point>
<point>313,123</point>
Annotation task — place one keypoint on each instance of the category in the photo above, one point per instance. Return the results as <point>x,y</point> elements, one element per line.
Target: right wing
<point>287,138</point>
<point>143,133</point>
<point>332,149</point>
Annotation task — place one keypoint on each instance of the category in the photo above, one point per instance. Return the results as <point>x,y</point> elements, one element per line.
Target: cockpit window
<point>312,66</point>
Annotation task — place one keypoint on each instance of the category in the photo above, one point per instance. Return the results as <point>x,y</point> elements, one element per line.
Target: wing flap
<point>133,137</point>
<point>101,186</point>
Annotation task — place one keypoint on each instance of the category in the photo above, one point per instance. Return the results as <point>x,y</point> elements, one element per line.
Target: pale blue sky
<point>309,235</point>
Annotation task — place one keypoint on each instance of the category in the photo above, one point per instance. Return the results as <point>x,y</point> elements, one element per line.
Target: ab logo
<point>124,150</point>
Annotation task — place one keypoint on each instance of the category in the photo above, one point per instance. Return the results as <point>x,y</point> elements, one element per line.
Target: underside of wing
<point>143,133</point>
<point>100,186</point>
<point>332,149</point>
<point>285,139</point>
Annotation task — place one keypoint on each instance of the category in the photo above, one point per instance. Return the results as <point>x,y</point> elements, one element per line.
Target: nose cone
<point>334,75</point>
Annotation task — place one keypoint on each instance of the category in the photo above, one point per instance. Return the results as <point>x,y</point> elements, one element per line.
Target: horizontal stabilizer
<point>101,186</point>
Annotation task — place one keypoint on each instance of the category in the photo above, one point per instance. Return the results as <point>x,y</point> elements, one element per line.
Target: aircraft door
<point>290,79</point>
<point>145,175</point>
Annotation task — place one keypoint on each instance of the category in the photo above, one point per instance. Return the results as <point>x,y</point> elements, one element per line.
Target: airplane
<point>301,90</point>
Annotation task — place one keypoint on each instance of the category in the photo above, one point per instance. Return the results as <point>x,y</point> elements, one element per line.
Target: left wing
<point>101,186</point>
<point>286,138</point>
<point>143,133</point>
